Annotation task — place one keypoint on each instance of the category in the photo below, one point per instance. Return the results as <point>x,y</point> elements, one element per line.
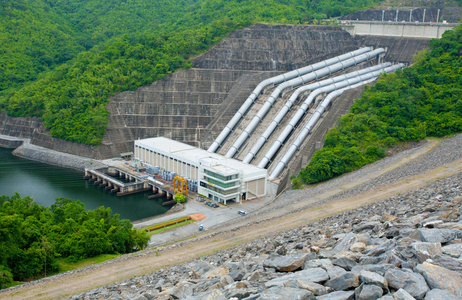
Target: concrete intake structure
<point>304,107</point>
<point>274,80</point>
<point>308,126</point>
<point>285,109</point>
<point>294,82</point>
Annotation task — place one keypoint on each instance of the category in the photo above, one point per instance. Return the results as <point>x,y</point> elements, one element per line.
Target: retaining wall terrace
<point>397,29</point>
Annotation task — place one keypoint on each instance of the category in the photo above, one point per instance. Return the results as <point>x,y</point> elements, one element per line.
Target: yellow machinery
<point>180,185</point>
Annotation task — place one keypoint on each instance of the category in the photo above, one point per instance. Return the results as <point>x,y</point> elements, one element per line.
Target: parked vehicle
<point>214,205</point>
<point>207,203</point>
<point>241,212</point>
<point>201,227</point>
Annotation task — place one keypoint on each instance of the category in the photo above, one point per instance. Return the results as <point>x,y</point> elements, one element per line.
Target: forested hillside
<point>62,60</point>
<point>33,237</point>
<point>423,100</point>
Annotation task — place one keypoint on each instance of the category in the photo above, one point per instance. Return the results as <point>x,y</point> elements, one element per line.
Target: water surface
<point>45,183</point>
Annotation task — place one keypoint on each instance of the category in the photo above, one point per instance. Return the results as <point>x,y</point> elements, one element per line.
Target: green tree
<point>6,278</point>
<point>32,236</point>
<point>180,198</point>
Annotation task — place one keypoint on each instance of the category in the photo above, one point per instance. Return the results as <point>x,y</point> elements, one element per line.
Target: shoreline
<point>24,149</point>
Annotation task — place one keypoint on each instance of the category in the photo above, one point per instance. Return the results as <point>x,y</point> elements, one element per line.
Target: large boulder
<point>437,294</point>
<point>341,295</point>
<point>402,295</point>
<point>326,264</point>
<point>316,275</point>
<point>382,248</point>
<point>425,250</point>
<point>433,235</point>
<point>343,282</point>
<point>210,295</point>
<point>217,272</point>
<point>287,263</point>
<point>315,288</point>
<point>373,278</point>
<point>237,274</point>
<point>454,250</point>
<point>411,282</point>
<point>368,292</point>
<point>283,293</point>
<point>182,290</point>
<point>346,243</point>
<point>240,292</point>
<point>345,263</point>
<point>441,278</point>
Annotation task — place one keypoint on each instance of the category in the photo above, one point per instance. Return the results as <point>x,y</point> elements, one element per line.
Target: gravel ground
<point>448,151</point>
<point>385,224</point>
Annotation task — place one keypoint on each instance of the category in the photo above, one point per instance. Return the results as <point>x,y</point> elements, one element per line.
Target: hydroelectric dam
<point>194,106</point>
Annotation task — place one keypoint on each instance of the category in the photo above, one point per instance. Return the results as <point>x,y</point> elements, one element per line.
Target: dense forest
<point>33,237</point>
<point>62,60</point>
<point>423,100</point>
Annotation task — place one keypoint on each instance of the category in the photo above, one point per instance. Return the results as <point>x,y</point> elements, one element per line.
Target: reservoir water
<point>45,183</point>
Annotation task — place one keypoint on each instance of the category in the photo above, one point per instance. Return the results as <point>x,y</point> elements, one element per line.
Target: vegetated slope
<point>33,237</point>
<point>33,40</point>
<point>420,101</point>
<point>39,35</point>
<point>129,44</point>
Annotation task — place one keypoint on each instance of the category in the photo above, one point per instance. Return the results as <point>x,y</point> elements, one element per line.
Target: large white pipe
<point>291,83</point>
<point>309,126</point>
<point>275,80</point>
<point>301,111</point>
<point>285,109</point>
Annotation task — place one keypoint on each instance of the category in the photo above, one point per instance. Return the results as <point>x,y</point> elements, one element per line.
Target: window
<point>221,177</point>
<point>219,183</point>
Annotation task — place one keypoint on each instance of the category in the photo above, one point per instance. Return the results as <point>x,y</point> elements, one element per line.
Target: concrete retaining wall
<point>10,142</point>
<point>56,158</point>
<point>413,30</point>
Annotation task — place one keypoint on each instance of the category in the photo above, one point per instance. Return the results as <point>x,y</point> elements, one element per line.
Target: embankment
<point>55,158</point>
<point>11,142</point>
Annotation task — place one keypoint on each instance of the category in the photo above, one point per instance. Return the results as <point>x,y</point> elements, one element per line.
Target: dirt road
<point>269,223</point>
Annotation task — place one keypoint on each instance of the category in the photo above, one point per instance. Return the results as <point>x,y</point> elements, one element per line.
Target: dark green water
<point>45,183</point>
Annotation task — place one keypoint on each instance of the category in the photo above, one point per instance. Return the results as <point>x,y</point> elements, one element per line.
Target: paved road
<point>214,217</point>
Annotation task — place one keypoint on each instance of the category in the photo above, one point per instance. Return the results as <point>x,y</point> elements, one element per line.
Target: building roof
<point>214,161</point>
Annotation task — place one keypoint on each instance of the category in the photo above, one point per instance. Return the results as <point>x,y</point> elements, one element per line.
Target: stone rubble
<point>405,247</point>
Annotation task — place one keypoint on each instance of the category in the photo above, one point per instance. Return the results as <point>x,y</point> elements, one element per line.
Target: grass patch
<point>68,266</point>
<point>165,224</point>
<point>14,283</point>
<point>170,227</point>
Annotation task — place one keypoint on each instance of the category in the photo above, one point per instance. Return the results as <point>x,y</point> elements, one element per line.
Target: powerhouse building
<point>220,179</point>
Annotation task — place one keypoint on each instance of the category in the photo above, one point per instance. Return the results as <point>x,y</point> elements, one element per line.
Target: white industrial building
<point>220,179</point>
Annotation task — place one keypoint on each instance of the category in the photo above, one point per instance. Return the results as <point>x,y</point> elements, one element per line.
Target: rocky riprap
<point>405,247</point>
